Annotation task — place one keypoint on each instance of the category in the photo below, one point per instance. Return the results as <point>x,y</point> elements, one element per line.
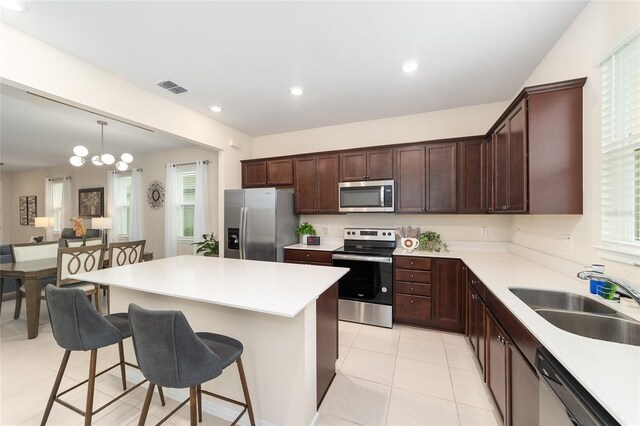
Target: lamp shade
<point>101,223</point>
<point>43,222</point>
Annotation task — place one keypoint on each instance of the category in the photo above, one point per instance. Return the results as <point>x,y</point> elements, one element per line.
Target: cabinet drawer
<point>413,276</point>
<point>413,307</point>
<point>421,263</point>
<point>412,288</point>
<point>307,256</point>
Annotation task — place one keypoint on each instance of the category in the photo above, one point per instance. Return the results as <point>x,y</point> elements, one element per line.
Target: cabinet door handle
<point>411,275</point>
<point>411,300</point>
<point>411,288</point>
<point>412,263</point>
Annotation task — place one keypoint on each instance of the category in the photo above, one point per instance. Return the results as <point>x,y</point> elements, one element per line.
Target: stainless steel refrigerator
<point>258,223</point>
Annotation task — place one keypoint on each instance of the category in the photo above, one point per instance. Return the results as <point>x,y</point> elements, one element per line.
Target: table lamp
<point>102,223</point>
<point>44,222</point>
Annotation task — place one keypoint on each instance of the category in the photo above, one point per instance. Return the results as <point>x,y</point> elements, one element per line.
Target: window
<point>56,195</point>
<point>186,200</point>
<point>122,208</point>
<point>621,147</point>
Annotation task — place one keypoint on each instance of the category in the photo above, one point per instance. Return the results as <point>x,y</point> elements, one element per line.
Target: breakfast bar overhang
<point>284,314</point>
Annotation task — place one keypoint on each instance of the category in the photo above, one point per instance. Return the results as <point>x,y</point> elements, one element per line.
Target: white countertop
<point>283,289</point>
<point>609,371</point>
<point>324,246</point>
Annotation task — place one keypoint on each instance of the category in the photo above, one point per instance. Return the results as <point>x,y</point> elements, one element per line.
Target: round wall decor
<point>155,195</point>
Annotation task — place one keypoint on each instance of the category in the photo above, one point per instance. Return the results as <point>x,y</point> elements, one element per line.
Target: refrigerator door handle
<point>241,233</point>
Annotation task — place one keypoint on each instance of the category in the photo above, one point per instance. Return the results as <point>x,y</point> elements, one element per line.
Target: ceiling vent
<point>172,87</point>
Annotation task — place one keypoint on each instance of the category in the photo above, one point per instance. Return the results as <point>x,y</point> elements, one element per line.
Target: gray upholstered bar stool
<point>171,354</point>
<point>77,326</point>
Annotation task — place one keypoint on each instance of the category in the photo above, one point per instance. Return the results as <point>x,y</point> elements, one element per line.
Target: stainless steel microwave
<point>367,196</point>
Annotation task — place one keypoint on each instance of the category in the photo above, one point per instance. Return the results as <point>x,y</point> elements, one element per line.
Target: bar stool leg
<point>123,373</point>
<point>245,390</point>
<point>91,388</point>
<point>192,405</point>
<point>56,386</point>
<point>161,395</point>
<point>147,403</point>
<point>199,391</point>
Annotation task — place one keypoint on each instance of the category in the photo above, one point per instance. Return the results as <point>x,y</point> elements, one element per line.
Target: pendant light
<point>79,152</point>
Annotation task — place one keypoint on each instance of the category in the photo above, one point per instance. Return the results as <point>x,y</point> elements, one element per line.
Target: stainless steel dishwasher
<point>564,401</point>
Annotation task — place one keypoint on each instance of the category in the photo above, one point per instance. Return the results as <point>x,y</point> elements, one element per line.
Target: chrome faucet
<point>622,286</point>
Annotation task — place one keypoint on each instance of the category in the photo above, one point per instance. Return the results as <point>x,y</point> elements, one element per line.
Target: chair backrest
<point>34,251</point>
<point>168,351</point>
<point>78,243</point>
<point>126,253</point>
<point>75,322</point>
<point>75,260</point>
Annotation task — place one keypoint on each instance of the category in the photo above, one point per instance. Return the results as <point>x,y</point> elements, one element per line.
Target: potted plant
<point>304,230</point>
<point>210,246</point>
<point>431,241</point>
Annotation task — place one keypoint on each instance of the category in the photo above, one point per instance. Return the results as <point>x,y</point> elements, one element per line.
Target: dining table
<point>31,273</point>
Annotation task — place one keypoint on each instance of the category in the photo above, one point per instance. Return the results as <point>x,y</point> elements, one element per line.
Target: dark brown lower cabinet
<point>449,297</point>
<point>326,340</point>
<point>496,364</point>
<point>511,380</point>
<point>475,321</point>
<point>524,387</point>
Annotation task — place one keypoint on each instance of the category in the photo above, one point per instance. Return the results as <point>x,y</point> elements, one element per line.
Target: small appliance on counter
<point>365,293</point>
<point>258,223</point>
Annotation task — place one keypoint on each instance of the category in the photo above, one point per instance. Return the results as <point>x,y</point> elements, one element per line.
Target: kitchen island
<point>276,310</point>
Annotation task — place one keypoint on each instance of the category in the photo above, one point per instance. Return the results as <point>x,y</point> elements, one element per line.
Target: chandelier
<point>79,152</point>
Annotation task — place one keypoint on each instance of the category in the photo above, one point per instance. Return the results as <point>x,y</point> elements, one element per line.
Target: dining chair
<point>77,326</point>
<point>26,252</point>
<point>90,242</point>
<point>170,354</point>
<point>120,254</point>
<point>76,260</point>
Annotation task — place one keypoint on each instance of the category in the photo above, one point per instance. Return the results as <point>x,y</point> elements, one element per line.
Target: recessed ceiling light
<point>410,66</point>
<point>12,5</point>
<point>215,108</point>
<point>296,91</point>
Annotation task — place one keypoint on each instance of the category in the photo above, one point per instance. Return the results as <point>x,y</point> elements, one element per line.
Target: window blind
<point>123,204</point>
<point>621,146</point>
<point>56,195</point>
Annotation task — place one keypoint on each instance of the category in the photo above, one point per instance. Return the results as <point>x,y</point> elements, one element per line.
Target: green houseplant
<point>210,246</point>
<point>304,230</point>
<point>431,241</point>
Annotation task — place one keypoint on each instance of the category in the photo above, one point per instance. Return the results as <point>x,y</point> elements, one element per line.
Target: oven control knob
<point>384,289</point>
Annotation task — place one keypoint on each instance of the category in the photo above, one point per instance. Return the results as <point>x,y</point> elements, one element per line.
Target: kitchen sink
<point>537,299</point>
<point>599,327</point>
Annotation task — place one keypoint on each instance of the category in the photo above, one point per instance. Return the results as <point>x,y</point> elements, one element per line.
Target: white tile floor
<point>404,376</point>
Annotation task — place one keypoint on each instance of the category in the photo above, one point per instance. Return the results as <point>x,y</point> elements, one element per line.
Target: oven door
<point>369,278</point>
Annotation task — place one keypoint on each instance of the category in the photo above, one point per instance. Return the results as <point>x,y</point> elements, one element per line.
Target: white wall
<point>28,63</point>
<point>591,37</point>
<point>5,196</point>
<point>153,168</point>
<point>452,123</point>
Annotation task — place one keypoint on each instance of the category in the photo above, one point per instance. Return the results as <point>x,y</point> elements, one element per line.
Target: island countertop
<point>282,289</point>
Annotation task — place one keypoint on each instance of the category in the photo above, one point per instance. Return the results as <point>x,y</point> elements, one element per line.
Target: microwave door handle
<point>381,195</point>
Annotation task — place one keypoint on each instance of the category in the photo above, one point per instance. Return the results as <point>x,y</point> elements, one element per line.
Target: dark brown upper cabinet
<point>254,174</point>
<point>316,184</point>
<point>510,165</point>
<point>366,165</point>
<point>426,178</point>
<point>472,176</point>
<point>488,174</point>
<point>258,174</point>
<point>537,151</point>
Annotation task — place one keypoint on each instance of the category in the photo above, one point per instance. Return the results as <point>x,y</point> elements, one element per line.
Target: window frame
<point>184,170</point>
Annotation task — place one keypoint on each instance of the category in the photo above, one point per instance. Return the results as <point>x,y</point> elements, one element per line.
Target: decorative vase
<point>303,238</point>
<point>84,240</point>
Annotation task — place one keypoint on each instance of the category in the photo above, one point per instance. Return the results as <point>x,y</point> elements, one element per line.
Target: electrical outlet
<point>483,231</point>
<point>325,229</point>
<point>567,243</point>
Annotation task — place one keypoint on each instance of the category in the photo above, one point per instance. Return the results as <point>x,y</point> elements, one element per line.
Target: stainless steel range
<point>366,291</point>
